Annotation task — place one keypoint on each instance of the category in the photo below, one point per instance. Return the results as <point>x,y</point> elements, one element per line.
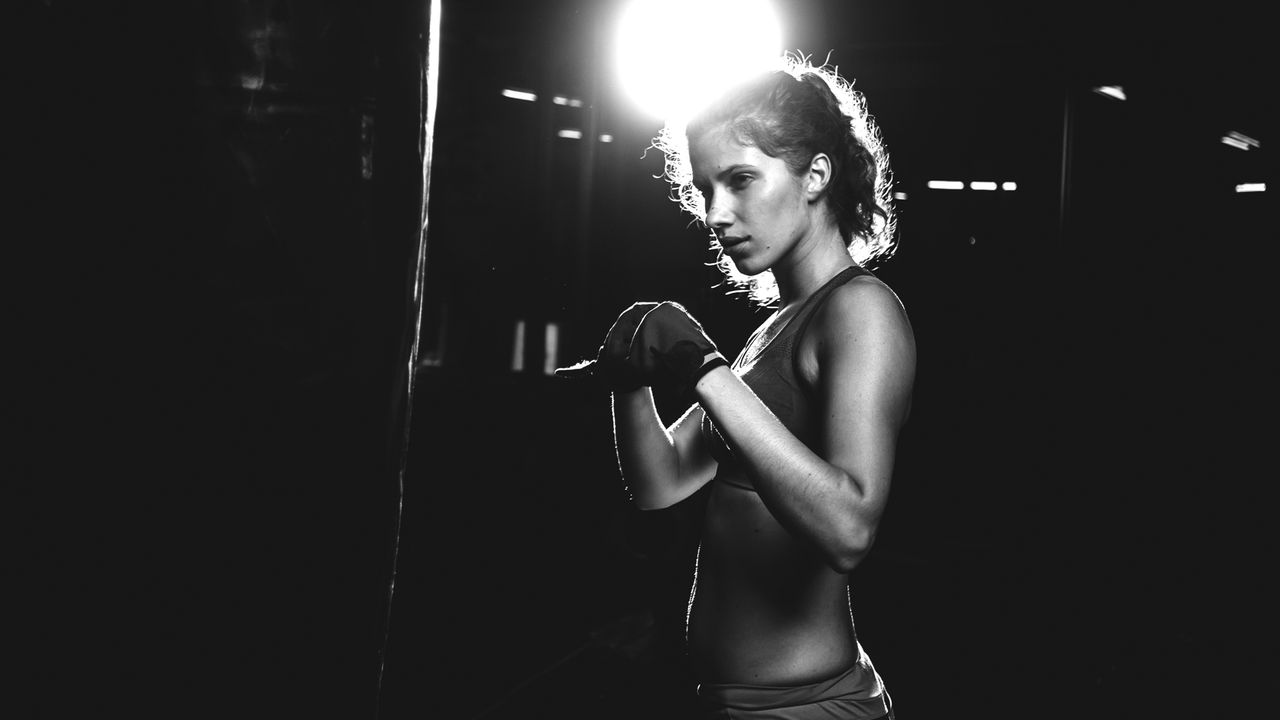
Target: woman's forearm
<point>661,465</point>
<point>646,454</point>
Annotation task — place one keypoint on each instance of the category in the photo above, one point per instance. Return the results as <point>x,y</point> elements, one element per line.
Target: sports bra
<point>772,373</point>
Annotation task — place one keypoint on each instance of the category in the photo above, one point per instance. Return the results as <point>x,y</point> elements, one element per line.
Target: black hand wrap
<point>670,347</point>
<point>686,362</point>
<point>651,344</point>
<point>610,368</point>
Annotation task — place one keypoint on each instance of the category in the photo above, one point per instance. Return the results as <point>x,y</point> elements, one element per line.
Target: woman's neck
<point>812,263</point>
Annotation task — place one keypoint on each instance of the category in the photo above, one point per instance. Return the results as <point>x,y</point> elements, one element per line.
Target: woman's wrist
<point>712,362</point>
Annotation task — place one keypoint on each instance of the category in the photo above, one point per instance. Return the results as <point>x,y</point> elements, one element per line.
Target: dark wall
<point>221,204</point>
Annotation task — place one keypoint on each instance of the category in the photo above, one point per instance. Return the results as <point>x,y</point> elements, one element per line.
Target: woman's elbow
<point>854,529</point>
<point>854,544</point>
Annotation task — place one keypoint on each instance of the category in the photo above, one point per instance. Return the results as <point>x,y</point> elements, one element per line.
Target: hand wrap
<point>670,346</point>
<point>610,368</point>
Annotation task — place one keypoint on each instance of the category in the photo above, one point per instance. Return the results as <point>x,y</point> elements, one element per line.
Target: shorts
<point>855,694</point>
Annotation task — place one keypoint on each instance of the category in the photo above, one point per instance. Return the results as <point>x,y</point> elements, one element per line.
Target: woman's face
<point>756,206</point>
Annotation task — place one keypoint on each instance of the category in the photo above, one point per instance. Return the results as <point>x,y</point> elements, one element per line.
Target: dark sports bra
<point>772,373</point>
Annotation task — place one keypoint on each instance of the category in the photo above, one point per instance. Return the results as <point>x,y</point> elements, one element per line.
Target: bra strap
<point>810,309</point>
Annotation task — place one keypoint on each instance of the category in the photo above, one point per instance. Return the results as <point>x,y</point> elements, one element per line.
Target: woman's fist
<point>610,366</point>
<point>669,346</point>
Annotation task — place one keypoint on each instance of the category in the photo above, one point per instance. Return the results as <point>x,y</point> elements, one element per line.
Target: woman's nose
<point>718,216</point>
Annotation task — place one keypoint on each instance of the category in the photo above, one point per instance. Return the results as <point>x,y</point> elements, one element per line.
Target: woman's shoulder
<point>863,322</point>
<point>861,314</point>
<point>863,300</point>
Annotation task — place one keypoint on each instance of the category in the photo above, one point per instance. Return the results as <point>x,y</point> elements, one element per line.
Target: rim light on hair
<point>815,110</point>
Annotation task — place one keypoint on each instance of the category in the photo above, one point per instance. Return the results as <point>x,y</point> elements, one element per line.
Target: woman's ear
<point>818,176</point>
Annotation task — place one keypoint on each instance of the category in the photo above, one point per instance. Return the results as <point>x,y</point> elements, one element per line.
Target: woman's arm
<point>661,466</point>
<point>862,369</point>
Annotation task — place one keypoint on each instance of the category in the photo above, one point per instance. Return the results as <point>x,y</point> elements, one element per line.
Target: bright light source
<point>945,185</point>
<point>1228,140</point>
<point>899,196</point>
<point>575,102</point>
<point>673,55</point>
<point>1009,185</point>
<point>560,100</point>
<point>982,185</point>
<point>1251,187</point>
<point>1114,91</point>
<point>519,94</point>
<point>606,138</point>
<point>570,133</point>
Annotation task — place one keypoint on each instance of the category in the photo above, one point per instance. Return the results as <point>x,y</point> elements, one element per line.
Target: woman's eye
<point>740,180</point>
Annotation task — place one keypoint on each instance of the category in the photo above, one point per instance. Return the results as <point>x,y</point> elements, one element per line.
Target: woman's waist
<point>854,692</point>
<point>780,635</point>
<point>725,650</point>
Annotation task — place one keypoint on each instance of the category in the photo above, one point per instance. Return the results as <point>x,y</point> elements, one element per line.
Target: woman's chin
<point>746,267</point>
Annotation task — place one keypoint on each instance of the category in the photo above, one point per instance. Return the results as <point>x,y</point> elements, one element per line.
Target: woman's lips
<point>729,241</point>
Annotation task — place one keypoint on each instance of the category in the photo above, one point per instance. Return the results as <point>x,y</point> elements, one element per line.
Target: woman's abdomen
<point>766,608</point>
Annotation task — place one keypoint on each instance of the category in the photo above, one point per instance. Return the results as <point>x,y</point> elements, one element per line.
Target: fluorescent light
<point>1243,139</point>
<point>518,94</point>
<point>550,343</point>
<point>570,133</point>
<point>945,185</point>
<point>606,138</point>
<point>1251,187</point>
<point>1114,91</point>
<point>982,185</point>
<point>1009,185</point>
<point>517,348</point>
<point>575,102</point>
<point>1228,140</point>
<point>899,196</point>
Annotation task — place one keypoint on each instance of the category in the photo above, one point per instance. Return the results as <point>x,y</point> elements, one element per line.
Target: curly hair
<point>794,113</point>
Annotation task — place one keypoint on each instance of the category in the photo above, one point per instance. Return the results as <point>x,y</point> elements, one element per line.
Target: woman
<point>797,437</point>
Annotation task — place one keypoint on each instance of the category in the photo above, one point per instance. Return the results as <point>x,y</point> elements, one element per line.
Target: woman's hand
<point>670,346</point>
<point>610,366</point>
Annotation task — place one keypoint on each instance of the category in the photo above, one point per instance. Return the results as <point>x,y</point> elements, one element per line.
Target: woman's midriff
<point>766,609</point>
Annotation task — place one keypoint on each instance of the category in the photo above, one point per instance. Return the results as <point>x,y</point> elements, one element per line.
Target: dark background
<point>217,210</point>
